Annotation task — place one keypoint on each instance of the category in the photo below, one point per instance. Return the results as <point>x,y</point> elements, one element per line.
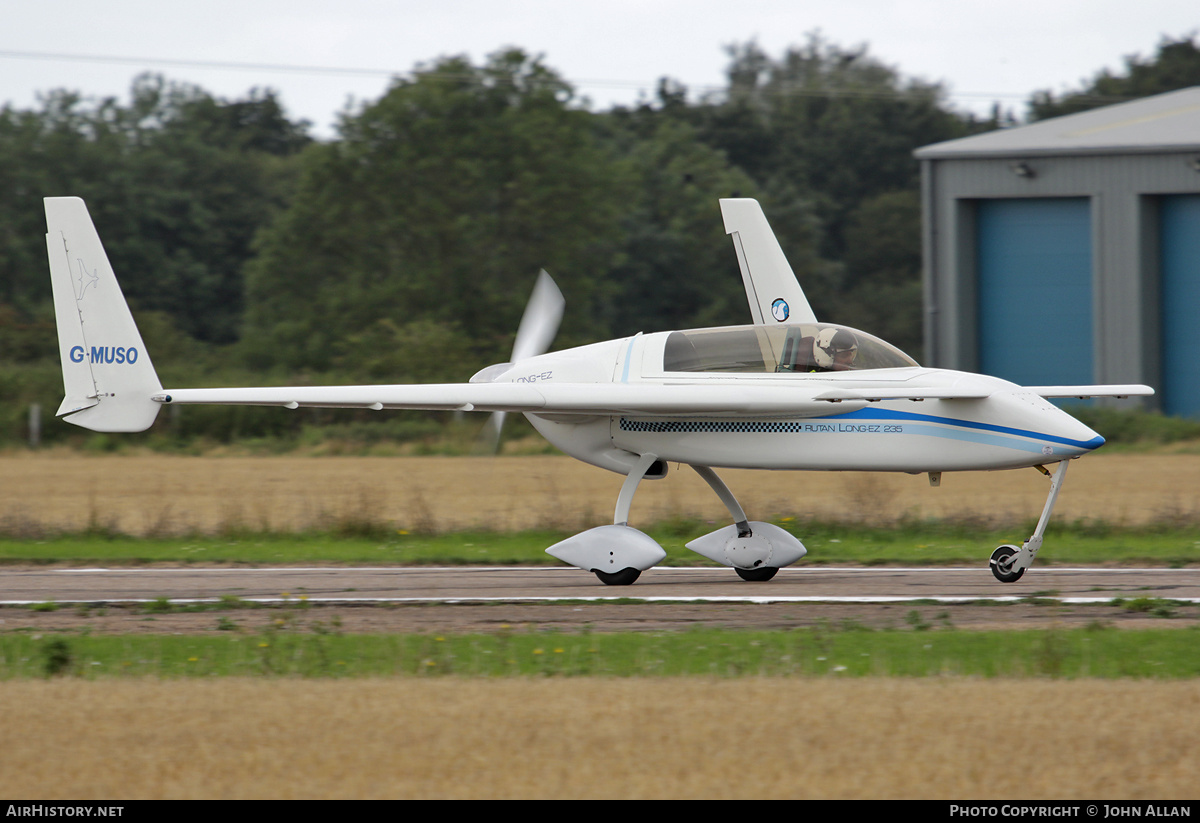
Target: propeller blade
<point>489,438</point>
<point>539,324</point>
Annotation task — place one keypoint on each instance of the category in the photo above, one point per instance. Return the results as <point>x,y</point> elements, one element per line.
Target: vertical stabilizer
<point>107,374</point>
<point>771,287</point>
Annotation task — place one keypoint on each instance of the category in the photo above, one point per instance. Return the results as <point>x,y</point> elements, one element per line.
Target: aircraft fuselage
<point>1009,428</point>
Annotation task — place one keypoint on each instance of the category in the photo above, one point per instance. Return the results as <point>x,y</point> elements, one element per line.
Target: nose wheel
<point>1002,563</point>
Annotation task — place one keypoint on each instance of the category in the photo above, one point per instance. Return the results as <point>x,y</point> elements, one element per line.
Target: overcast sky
<point>612,51</point>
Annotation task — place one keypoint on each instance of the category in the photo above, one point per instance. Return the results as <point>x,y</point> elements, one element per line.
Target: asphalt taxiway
<point>525,584</point>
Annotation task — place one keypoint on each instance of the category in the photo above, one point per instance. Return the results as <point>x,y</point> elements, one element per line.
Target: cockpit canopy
<point>806,347</point>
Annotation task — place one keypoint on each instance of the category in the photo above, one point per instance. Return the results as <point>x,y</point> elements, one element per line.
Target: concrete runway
<point>517,584</point>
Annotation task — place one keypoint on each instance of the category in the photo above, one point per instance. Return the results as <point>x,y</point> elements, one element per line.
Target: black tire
<point>624,577</point>
<point>999,562</point>
<point>760,575</point>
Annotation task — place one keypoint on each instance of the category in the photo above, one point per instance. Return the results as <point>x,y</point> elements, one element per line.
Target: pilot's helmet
<point>831,342</point>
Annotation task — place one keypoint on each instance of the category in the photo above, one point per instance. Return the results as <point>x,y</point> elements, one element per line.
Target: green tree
<point>205,175</point>
<point>827,135</point>
<point>177,182</point>
<point>440,201</point>
<point>675,267</point>
<point>881,289</point>
<point>61,149</point>
<point>834,126</point>
<point>1176,65</point>
<point>678,268</point>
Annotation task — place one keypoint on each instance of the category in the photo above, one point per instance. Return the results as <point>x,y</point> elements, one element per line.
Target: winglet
<point>107,374</point>
<point>771,287</point>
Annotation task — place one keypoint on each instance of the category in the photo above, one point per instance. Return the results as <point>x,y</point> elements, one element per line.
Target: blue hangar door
<point>1179,224</point>
<point>1034,268</point>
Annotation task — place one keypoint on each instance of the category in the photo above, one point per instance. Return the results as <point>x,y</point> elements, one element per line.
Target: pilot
<point>834,349</point>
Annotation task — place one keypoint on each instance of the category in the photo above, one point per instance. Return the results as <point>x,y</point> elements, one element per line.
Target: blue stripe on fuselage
<point>888,414</point>
<point>924,425</point>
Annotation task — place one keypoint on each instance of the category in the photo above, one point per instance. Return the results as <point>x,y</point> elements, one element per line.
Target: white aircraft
<point>787,392</point>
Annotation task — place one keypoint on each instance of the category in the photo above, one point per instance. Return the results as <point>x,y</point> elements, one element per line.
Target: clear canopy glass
<point>801,348</point>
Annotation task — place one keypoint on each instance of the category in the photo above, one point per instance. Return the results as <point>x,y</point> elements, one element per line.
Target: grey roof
<point>1165,122</point>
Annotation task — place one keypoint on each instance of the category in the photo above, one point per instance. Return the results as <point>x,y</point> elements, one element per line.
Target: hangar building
<point>1068,251</point>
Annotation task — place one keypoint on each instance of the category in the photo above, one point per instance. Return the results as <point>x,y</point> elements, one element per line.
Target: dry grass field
<point>156,494</point>
<point>753,738</point>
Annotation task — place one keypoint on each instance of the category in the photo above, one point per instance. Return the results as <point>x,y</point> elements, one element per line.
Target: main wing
<point>810,398</point>
<point>546,398</point>
<point>979,392</point>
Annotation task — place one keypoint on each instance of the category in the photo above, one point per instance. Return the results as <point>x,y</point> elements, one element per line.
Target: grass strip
<point>931,543</point>
<point>1094,652</point>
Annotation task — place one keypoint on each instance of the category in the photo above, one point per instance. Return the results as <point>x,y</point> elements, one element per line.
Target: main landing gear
<point>1008,563</point>
<point>619,553</point>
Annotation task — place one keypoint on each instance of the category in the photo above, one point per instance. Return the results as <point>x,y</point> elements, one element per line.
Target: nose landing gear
<point>1008,563</point>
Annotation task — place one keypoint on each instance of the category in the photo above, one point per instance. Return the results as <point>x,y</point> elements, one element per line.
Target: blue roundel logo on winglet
<point>780,310</point>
